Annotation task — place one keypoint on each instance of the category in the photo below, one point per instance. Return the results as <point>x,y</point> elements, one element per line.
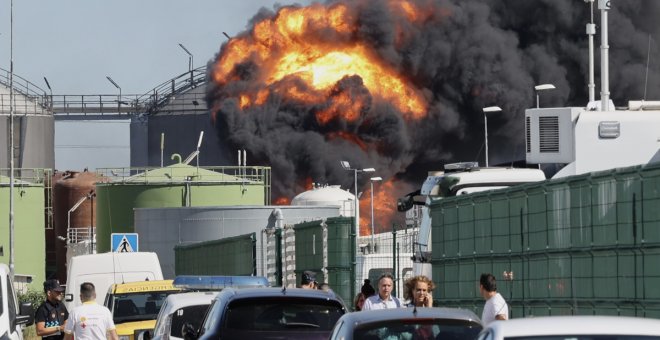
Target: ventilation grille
<point>528,134</point>
<point>548,134</point>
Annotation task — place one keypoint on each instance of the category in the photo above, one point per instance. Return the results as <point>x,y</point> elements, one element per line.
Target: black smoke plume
<point>465,55</point>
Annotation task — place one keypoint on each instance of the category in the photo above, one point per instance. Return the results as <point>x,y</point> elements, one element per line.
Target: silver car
<point>579,327</point>
<point>408,323</point>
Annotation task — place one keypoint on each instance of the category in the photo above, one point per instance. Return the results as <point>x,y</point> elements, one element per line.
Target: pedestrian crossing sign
<point>124,242</point>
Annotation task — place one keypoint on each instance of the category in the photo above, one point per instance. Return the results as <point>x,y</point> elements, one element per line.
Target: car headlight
<point>124,337</point>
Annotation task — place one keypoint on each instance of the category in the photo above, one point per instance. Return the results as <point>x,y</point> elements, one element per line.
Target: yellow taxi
<point>135,305</point>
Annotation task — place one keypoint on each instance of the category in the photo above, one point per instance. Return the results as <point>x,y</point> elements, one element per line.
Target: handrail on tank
<point>29,175</point>
<point>161,94</point>
<point>137,175</point>
<point>22,85</point>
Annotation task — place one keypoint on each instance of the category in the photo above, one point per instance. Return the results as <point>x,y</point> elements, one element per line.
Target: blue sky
<point>77,43</point>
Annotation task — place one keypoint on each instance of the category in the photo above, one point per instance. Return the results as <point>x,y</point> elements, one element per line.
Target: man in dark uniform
<point>51,316</point>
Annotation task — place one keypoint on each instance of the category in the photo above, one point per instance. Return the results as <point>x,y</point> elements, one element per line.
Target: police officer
<point>51,315</point>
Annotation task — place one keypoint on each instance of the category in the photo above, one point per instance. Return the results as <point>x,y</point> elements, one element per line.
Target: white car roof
<point>573,325</point>
<point>176,301</point>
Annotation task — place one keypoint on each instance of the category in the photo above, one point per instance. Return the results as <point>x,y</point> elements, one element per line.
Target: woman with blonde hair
<point>418,291</point>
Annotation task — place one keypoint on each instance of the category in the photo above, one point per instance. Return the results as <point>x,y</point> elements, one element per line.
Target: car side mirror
<point>26,314</point>
<point>68,297</point>
<point>404,203</point>
<point>188,331</point>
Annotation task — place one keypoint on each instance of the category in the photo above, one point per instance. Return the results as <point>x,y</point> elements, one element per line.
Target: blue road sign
<point>124,242</point>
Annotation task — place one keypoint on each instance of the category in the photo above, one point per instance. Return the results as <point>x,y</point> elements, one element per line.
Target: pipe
<point>591,31</point>
<point>604,6</point>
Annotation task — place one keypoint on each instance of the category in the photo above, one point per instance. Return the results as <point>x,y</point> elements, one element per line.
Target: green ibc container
<point>580,210</point>
<point>517,199</point>
<point>536,232</point>
<point>558,216</point>
<point>339,241</point>
<point>339,280</point>
<point>650,228</point>
<point>498,208</point>
<point>604,210</point>
<point>309,245</point>
<point>466,227</point>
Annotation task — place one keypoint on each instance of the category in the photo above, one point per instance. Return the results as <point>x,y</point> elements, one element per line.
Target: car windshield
<point>418,329</point>
<point>256,317</point>
<point>137,306</point>
<point>587,337</point>
<point>191,314</point>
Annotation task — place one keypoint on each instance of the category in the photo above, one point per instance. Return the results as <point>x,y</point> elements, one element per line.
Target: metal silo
<point>73,209</point>
<point>177,185</point>
<point>327,195</point>
<point>34,125</point>
<point>29,246</point>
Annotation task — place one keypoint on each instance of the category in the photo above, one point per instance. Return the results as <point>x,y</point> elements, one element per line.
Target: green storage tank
<point>177,185</point>
<point>29,231</point>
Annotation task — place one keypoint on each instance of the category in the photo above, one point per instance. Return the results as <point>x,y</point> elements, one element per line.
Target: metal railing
<point>250,174</point>
<point>23,86</point>
<point>163,94</point>
<point>36,100</point>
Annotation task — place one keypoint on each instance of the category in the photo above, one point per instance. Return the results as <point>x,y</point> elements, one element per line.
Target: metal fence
<point>328,247</point>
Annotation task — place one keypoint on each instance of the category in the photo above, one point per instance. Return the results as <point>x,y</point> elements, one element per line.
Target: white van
<point>105,269</point>
<point>11,318</point>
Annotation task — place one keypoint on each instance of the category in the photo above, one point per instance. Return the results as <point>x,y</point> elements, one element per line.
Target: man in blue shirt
<point>384,298</point>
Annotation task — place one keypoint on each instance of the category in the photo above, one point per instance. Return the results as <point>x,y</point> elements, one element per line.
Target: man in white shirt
<point>495,307</point>
<point>384,298</point>
<point>90,321</point>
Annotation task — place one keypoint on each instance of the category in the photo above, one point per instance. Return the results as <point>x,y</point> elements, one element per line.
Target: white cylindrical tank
<point>327,195</point>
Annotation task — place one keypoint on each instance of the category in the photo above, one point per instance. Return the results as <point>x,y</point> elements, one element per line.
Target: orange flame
<point>282,201</point>
<point>291,44</point>
<point>385,213</point>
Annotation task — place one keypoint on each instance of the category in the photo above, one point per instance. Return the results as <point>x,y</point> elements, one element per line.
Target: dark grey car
<point>408,323</point>
<point>271,313</point>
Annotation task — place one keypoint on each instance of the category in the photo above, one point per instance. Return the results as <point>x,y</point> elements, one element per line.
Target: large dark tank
<point>73,187</point>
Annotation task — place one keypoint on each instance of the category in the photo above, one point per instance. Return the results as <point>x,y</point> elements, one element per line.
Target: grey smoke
<point>465,56</point>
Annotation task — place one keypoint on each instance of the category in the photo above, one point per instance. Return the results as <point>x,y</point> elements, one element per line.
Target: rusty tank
<point>71,189</point>
<point>51,239</point>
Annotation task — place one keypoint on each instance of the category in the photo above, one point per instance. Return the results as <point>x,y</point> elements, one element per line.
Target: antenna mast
<point>11,142</point>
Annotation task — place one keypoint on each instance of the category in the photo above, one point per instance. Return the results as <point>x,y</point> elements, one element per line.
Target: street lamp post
<point>356,210</point>
<point>190,57</point>
<point>540,88</point>
<point>51,93</point>
<point>373,239</point>
<point>117,86</point>
<point>486,111</point>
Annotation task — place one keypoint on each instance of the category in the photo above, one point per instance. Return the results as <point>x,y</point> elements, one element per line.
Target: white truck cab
<point>12,316</point>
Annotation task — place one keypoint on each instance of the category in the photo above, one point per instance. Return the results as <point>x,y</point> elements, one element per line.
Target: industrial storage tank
<point>34,125</point>
<point>29,246</point>
<point>177,185</point>
<point>176,112</point>
<point>327,195</point>
<point>74,192</point>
